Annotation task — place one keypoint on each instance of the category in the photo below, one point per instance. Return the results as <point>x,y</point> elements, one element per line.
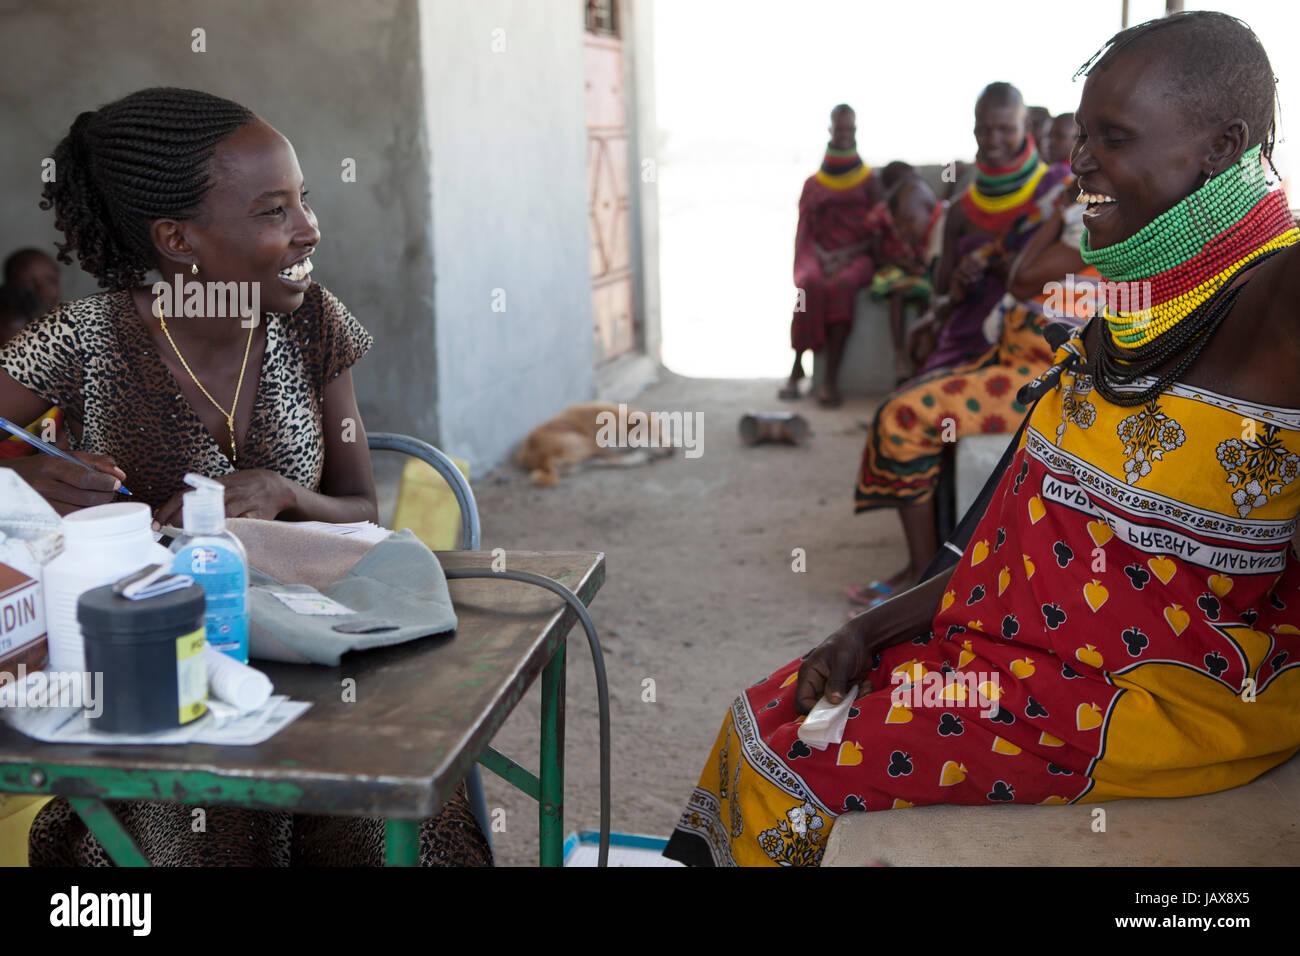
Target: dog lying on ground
<point>572,440</point>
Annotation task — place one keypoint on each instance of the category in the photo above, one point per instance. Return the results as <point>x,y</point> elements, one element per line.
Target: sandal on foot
<point>859,596</point>
<point>790,393</point>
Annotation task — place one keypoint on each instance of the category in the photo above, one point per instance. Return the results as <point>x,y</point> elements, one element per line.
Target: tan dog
<point>569,440</point>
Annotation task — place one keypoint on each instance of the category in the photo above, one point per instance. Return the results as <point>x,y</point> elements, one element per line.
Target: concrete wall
<point>470,158</point>
<point>503,103</point>
<point>340,79</point>
<point>643,144</point>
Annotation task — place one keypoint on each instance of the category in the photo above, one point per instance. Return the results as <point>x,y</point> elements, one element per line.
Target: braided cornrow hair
<point>141,158</point>
<point>1215,64</point>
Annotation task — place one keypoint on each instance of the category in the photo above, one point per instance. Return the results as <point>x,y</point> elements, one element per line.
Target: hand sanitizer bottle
<point>217,561</point>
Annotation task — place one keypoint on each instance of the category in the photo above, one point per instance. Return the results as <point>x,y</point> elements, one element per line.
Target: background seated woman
<point>1129,599</point>
<point>904,449</point>
<point>198,187</point>
<point>985,229</point>
<point>149,397</point>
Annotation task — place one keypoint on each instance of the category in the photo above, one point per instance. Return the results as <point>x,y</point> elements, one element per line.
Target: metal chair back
<point>405,444</point>
<point>469,541</point>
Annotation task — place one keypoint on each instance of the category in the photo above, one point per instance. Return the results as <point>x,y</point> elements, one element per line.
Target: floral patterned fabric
<point>901,458</point>
<point>1129,601</point>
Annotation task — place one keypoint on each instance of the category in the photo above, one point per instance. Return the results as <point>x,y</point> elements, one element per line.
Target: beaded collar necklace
<point>1185,255</point>
<point>1001,194</point>
<point>842,168</point>
<point>1177,271</point>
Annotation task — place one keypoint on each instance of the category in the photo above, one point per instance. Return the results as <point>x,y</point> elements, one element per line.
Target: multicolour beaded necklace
<point>1183,263</point>
<point>1002,194</point>
<point>842,168</point>
<point>1182,256</point>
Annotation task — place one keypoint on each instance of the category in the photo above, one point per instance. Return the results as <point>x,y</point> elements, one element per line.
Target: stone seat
<point>868,364</point>
<point>976,457</point>
<point>1251,825</point>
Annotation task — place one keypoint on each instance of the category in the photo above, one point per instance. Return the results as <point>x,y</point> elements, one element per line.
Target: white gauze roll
<point>237,684</point>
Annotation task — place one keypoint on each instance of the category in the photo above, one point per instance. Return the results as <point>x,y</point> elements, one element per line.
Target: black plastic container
<point>151,655</point>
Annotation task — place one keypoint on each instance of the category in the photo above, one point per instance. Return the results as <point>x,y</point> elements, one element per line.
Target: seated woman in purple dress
<point>1013,192</point>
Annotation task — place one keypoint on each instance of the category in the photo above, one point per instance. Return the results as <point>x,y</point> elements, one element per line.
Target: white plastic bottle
<point>215,559</point>
<point>100,545</point>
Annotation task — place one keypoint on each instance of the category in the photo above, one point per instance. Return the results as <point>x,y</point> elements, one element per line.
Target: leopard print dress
<point>166,835</point>
<point>93,358</point>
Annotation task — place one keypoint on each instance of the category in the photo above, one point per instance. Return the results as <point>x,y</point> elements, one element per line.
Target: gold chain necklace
<point>230,415</point>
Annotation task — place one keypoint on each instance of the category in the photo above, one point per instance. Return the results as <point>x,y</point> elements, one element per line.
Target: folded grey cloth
<point>397,582</point>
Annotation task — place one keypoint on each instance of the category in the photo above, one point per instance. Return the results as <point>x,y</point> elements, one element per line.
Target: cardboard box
<point>22,621</point>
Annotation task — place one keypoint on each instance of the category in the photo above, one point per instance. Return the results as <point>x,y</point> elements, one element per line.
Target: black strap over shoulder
<point>1057,334</point>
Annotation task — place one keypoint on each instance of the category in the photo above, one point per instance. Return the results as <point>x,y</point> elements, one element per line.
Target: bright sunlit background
<point>744,89</point>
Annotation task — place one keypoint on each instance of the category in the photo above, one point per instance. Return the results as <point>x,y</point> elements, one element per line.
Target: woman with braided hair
<point>191,185</point>
<point>196,187</point>
<point>1124,618</point>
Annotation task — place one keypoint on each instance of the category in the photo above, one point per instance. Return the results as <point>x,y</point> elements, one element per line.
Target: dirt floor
<point>700,595</point>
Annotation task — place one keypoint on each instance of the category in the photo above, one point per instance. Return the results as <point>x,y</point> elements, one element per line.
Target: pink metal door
<point>607,187</point>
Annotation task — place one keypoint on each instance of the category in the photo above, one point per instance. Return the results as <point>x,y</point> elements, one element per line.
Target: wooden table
<point>423,713</point>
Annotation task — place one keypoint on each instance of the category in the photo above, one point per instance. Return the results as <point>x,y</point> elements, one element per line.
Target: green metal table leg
<point>402,842</point>
<point>511,773</point>
<point>551,805</point>
<point>108,830</point>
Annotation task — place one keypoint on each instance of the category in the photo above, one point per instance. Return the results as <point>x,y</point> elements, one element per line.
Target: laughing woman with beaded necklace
<point>200,188</point>
<point>1129,597</point>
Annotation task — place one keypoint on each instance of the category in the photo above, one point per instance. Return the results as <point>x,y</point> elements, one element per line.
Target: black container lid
<point>103,612</point>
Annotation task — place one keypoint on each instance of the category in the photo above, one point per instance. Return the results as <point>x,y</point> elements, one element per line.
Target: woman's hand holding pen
<point>68,487</point>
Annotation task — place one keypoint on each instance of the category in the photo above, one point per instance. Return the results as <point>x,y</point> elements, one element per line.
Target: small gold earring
<point>194,269</point>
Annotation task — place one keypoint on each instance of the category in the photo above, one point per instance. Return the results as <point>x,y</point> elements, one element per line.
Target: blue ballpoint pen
<point>49,449</point>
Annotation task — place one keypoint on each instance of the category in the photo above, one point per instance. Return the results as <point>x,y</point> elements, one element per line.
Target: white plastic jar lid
<point>101,521</point>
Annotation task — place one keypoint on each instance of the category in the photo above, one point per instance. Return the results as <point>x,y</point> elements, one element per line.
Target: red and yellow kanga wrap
<point>1129,599</point>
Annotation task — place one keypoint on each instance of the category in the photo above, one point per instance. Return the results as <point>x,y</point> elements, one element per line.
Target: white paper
<point>825,723</point>
<point>223,724</point>
<point>68,725</point>
<point>358,530</point>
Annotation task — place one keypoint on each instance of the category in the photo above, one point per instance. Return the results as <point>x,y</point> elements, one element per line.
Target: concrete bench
<point>977,456</point>
<point>868,364</point>
<point>1253,825</point>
